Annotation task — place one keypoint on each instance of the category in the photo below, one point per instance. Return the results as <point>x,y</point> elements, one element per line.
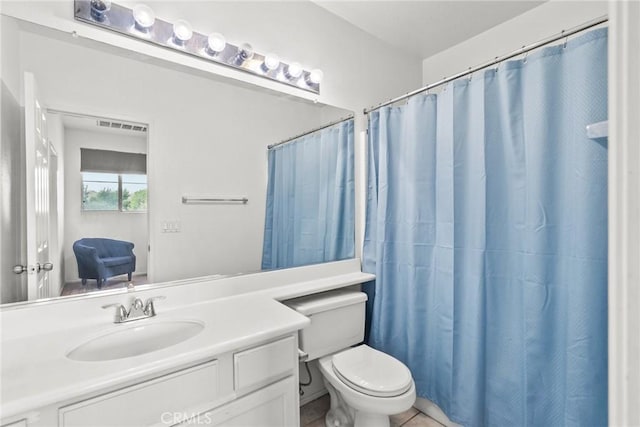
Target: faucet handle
<point>121,311</point>
<point>149,309</point>
<point>137,310</point>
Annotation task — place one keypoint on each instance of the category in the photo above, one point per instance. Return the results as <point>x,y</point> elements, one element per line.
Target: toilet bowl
<point>370,385</point>
<point>365,385</point>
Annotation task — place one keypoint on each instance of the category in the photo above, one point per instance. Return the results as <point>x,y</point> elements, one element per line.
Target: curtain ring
<point>497,63</point>
<point>470,74</point>
<point>524,60</point>
<point>564,45</point>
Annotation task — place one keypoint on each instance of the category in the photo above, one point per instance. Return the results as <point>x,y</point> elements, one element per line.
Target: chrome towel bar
<point>195,200</point>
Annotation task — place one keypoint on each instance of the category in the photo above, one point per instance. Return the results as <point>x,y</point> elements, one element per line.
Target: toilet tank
<point>337,321</point>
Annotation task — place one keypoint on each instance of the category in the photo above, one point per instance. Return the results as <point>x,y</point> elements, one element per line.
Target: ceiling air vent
<point>121,125</point>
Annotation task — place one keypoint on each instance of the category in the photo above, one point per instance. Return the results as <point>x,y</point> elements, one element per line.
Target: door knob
<point>19,269</point>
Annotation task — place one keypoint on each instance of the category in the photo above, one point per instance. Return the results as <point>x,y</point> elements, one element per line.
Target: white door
<point>37,191</point>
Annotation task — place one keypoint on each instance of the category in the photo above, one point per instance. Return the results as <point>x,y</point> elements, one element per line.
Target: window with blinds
<point>113,181</point>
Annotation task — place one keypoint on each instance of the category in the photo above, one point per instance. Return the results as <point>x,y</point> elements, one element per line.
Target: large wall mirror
<point>106,153</point>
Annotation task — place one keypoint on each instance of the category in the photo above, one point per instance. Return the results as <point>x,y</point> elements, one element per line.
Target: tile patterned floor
<point>312,415</point>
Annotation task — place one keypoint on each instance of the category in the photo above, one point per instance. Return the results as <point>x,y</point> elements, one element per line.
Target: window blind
<point>107,161</point>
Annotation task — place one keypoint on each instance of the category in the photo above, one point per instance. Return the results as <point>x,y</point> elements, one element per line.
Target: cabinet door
<point>272,406</point>
<point>264,364</point>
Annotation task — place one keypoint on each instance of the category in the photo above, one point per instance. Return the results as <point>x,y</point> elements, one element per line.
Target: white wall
<point>129,226</point>
<point>12,201</point>
<point>546,20</point>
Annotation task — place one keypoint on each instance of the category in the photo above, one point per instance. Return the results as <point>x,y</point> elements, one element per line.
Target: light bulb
<point>315,76</point>
<point>216,42</point>
<point>182,31</point>
<point>245,53</point>
<point>144,16</point>
<point>294,70</point>
<point>99,9</point>
<point>271,62</point>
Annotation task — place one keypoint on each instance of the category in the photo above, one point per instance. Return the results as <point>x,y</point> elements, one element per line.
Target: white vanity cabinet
<point>273,405</point>
<point>255,385</point>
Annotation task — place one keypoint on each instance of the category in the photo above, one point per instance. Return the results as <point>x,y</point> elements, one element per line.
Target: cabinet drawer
<point>273,406</point>
<point>268,362</point>
<point>145,403</point>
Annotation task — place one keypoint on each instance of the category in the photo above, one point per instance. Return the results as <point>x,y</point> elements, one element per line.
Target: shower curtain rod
<point>496,60</point>
<point>344,119</point>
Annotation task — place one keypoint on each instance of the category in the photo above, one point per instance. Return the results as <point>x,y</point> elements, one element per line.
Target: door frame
<point>96,113</point>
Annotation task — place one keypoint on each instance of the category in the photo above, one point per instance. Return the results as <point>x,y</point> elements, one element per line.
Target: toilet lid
<point>372,372</point>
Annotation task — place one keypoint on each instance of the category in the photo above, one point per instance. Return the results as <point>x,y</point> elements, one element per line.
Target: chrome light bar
<point>120,19</point>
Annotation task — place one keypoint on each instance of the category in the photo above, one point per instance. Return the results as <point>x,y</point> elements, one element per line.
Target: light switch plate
<point>172,226</point>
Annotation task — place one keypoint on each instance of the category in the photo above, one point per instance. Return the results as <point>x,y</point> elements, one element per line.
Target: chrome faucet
<point>138,310</point>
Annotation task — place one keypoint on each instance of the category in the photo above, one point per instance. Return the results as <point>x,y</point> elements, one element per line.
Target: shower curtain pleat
<point>487,231</point>
<point>310,199</point>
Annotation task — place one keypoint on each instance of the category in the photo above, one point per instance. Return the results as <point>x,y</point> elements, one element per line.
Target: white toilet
<point>366,385</point>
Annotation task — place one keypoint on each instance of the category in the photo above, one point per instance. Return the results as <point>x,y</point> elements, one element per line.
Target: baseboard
<point>431,409</point>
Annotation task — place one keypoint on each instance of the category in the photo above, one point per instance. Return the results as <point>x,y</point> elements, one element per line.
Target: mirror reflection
<point>119,169</point>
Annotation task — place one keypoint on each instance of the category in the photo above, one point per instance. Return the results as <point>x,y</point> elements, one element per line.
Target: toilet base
<point>340,414</point>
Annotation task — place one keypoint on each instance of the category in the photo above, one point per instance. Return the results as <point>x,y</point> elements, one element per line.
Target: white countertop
<point>36,373</point>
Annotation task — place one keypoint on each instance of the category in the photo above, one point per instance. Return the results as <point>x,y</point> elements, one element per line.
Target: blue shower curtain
<point>487,231</point>
<point>310,200</point>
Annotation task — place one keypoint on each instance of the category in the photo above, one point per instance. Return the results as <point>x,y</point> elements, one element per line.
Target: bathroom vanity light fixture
<point>140,22</point>
<point>245,53</point>
<point>144,17</point>
<point>271,62</point>
<point>182,32</point>
<point>216,43</point>
<point>293,71</point>
<point>99,9</point>
<point>315,76</point>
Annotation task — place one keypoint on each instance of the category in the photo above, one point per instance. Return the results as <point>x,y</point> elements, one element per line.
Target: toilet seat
<point>372,372</point>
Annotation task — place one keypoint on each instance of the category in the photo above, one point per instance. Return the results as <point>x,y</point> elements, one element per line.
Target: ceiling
<point>91,124</point>
<point>425,27</point>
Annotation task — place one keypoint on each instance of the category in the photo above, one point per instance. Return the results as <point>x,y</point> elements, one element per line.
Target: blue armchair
<point>103,258</point>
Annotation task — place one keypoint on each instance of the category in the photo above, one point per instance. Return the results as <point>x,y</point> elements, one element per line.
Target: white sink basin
<point>135,340</point>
